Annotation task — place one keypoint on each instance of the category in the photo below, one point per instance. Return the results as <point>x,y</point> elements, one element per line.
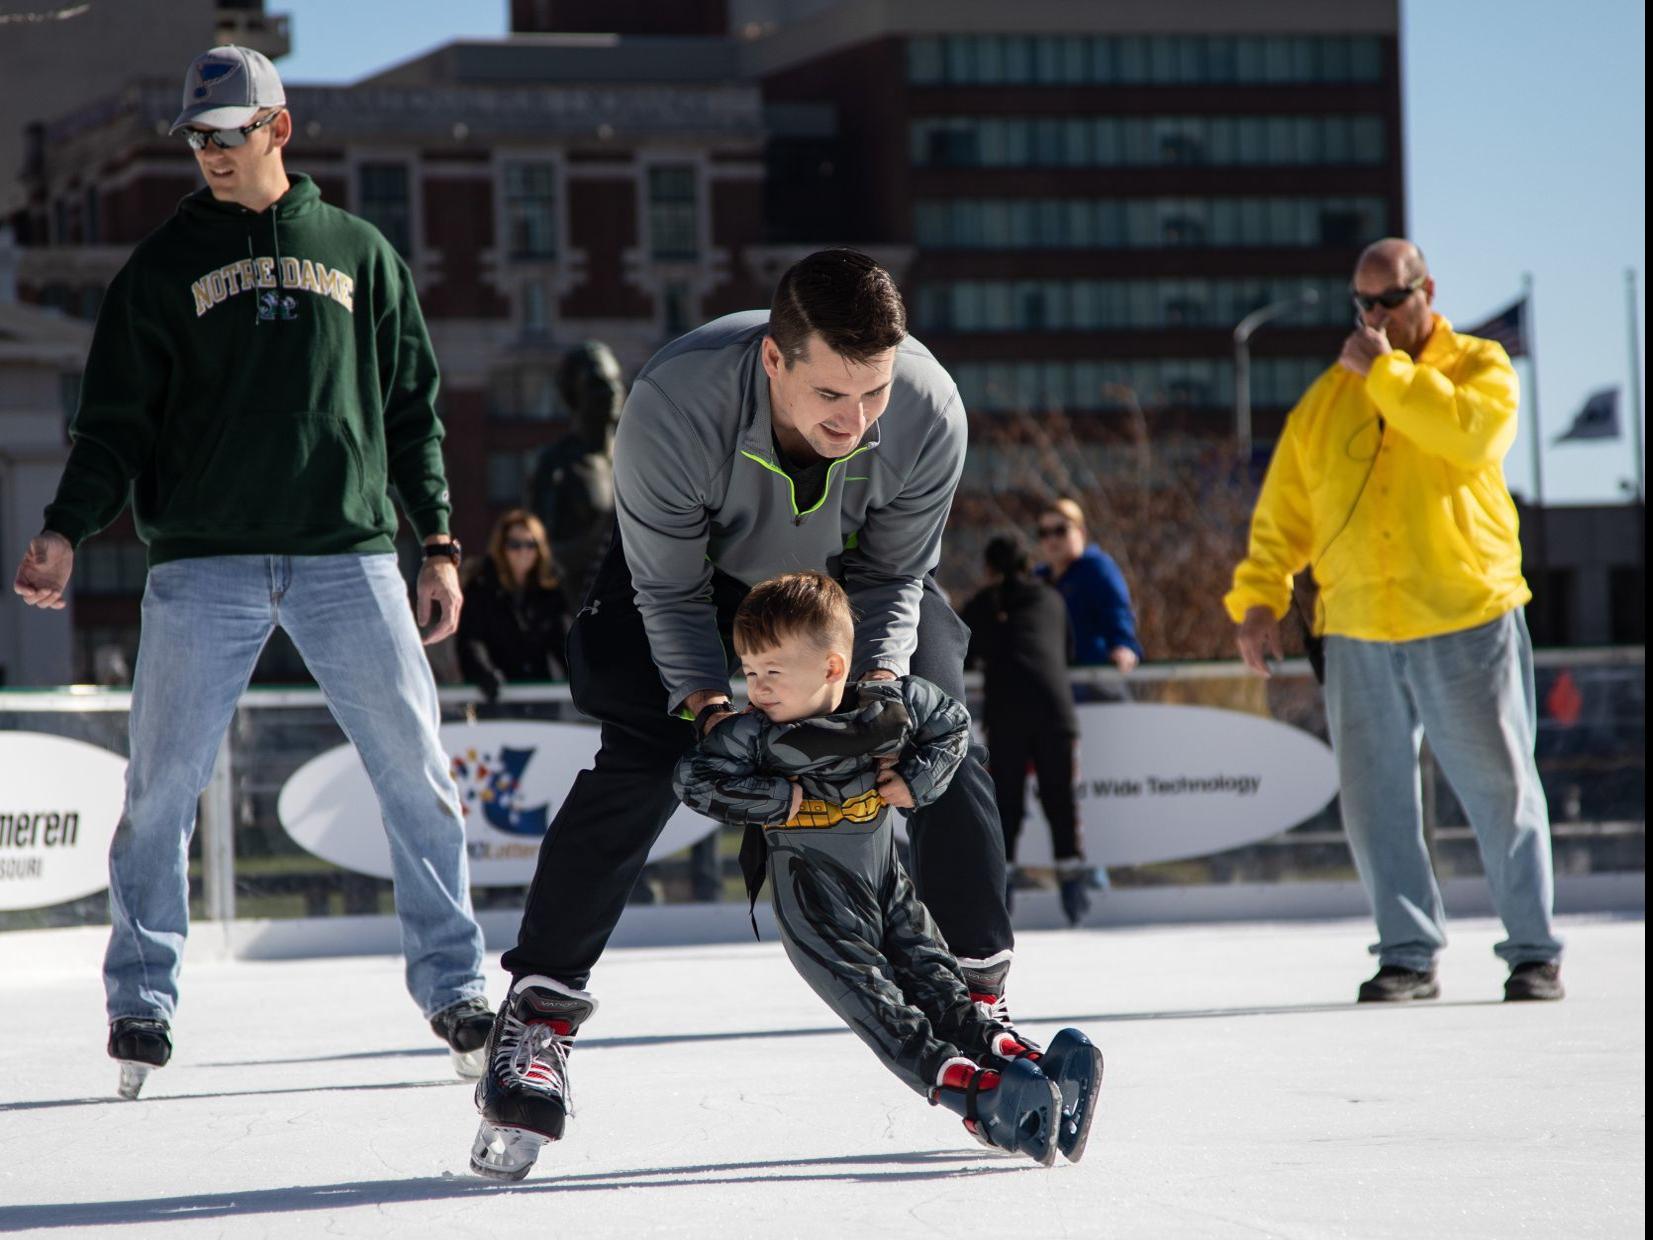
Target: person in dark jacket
<point>1021,637</point>
<point>516,615</point>
<point>815,771</point>
<point>1099,602</point>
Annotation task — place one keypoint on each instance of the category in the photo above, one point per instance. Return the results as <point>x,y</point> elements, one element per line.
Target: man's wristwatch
<point>704,715</point>
<point>449,549</point>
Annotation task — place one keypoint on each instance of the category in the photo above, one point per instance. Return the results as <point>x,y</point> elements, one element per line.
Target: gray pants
<point>1472,694</point>
<point>858,934</point>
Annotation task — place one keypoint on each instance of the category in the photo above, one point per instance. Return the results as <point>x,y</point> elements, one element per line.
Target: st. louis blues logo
<point>210,74</point>
<point>491,782</point>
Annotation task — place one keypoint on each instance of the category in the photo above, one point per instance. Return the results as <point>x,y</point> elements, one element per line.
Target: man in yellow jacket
<point>1388,481</point>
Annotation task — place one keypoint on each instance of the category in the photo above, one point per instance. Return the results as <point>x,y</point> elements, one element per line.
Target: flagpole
<point>1540,543</point>
<point>1635,382</point>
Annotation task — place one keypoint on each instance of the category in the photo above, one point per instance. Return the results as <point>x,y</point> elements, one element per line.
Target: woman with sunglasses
<point>1099,602</point>
<point>516,615</point>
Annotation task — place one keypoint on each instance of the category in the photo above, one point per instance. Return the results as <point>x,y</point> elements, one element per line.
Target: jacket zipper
<point>792,487</point>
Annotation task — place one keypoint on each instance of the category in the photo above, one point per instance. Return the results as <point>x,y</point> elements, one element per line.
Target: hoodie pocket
<point>295,471</point>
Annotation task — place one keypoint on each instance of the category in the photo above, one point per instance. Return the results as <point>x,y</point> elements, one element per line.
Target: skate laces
<point>993,1007</point>
<point>535,1054</point>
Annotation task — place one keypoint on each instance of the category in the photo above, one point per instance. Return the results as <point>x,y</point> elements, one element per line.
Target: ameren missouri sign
<point>60,801</point>
<point>42,830</point>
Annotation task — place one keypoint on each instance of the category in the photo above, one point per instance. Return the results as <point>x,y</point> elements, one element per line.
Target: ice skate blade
<point>133,1075</point>
<point>469,1064</point>
<point>501,1153</point>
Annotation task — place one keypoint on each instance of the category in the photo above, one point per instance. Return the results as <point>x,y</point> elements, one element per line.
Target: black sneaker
<point>465,1026</point>
<point>1534,980</point>
<point>1393,984</point>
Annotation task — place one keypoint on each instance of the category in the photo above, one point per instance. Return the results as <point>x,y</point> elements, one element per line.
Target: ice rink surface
<point>1245,1096</point>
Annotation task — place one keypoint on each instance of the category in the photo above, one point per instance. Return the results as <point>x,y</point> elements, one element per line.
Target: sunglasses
<point>1389,299</point>
<point>1053,531</point>
<point>225,139</point>
<point>521,544</point>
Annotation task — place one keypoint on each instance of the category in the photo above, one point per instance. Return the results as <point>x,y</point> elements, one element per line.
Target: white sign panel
<point>512,777</point>
<point>60,802</point>
<point>1158,783</point>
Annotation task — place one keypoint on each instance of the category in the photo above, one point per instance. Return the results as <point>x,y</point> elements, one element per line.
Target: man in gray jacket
<point>817,436</point>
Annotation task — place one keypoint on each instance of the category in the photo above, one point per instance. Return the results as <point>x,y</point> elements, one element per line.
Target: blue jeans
<point>1472,694</point>
<point>204,623</point>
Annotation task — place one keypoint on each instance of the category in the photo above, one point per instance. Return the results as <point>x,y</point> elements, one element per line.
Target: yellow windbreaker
<point>1392,489</point>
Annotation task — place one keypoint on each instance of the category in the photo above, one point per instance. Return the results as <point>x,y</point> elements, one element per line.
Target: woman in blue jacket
<point>1099,603</point>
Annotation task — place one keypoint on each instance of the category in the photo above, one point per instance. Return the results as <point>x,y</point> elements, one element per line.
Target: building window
<point>523,392</point>
<point>676,315</point>
<point>531,209</point>
<point>1146,223</point>
<point>536,318</point>
<point>1157,141</point>
<point>673,227</point>
<point>1158,60</point>
<point>383,200</point>
<point>1155,383</point>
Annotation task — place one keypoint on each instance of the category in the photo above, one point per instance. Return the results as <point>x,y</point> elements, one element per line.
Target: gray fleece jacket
<point>697,487</point>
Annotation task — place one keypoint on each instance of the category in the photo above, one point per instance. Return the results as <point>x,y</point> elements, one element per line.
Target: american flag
<point>1508,327</point>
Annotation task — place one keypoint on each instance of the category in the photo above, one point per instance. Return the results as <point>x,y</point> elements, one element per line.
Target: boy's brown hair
<point>808,605</point>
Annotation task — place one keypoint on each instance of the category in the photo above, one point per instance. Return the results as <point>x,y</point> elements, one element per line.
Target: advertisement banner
<point>1160,783</point>
<point>60,801</point>
<point>512,776</point>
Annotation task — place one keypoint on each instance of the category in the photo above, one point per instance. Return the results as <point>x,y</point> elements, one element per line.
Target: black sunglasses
<point>225,139</point>
<point>1053,531</point>
<point>521,544</point>
<point>1389,299</point>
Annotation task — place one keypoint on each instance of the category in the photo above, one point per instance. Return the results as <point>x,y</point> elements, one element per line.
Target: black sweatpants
<point>1015,743</point>
<point>602,832</point>
<point>856,932</point>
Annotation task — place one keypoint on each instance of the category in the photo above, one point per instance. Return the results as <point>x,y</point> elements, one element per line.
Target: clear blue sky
<point>1524,134</point>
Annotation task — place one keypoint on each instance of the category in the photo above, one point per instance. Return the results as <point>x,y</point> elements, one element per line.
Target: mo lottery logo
<point>490,783</point>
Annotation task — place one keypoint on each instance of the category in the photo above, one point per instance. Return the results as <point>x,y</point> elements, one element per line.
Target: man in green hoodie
<point>260,376</point>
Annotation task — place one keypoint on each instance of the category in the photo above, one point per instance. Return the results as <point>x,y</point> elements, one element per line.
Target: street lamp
<point>1242,359</point>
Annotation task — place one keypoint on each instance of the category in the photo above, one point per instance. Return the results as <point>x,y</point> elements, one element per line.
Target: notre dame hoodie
<point>257,382</point>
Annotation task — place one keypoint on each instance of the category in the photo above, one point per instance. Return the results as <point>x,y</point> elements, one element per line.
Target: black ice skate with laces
<point>524,1095</point>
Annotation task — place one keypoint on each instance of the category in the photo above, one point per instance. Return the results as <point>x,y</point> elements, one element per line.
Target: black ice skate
<point>1018,1110</point>
<point>465,1026</point>
<point>1074,1064</point>
<point>523,1094</point>
<point>139,1045</point>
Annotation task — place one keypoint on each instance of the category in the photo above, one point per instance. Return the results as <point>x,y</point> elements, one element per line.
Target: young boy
<point>813,770</point>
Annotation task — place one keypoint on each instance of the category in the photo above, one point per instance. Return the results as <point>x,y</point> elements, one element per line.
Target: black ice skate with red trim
<point>1073,1063</point>
<point>1017,1110</point>
<point>524,1095</point>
